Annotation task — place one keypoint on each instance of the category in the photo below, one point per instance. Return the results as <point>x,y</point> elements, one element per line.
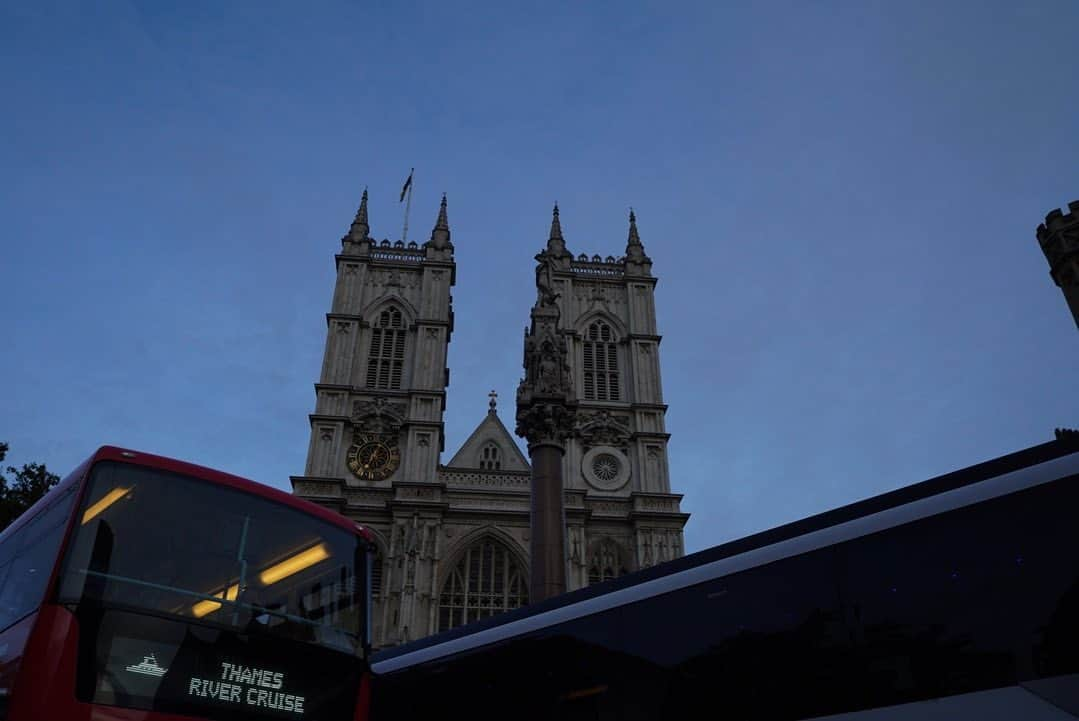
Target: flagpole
<point>408,207</point>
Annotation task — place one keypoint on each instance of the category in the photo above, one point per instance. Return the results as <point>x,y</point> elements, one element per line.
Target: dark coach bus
<point>954,598</point>
<point>143,588</point>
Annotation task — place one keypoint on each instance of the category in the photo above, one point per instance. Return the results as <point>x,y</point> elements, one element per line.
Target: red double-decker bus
<point>144,588</point>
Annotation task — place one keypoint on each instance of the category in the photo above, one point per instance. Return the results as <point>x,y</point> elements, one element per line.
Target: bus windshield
<point>147,540</point>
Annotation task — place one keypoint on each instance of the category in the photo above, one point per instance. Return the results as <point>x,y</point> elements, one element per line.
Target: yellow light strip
<point>294,564</point>
<point>202,608</point>
<point>273,574</point>
<point>98,508</point>
<point>585,692</point>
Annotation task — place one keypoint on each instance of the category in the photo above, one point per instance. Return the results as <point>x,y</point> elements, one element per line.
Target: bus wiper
<point>242,584</point>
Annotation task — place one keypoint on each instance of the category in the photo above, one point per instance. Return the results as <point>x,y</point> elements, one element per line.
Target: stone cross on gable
<point>493,395</point>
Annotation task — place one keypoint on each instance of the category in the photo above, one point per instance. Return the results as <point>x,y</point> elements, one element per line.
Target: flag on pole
<point>406,186</point>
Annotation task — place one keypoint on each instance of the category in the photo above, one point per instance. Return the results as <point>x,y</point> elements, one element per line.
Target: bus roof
<point>940,484</point>
<point>139,458</point>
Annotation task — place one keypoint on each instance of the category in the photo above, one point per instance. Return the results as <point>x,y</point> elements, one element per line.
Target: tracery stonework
<point>453,535</point>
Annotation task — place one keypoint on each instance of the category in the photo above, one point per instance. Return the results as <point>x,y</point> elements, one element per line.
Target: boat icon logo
<point>148,667</point>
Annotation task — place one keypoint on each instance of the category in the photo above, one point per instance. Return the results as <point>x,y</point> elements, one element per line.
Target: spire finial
<point>493,403</point>
<point>440,236</point>
<point>556,226</point>
<point>556,245</point>
<point>442,223</point>
<point>634,249</point>
<point>634,238</point>
<point>360,229</point>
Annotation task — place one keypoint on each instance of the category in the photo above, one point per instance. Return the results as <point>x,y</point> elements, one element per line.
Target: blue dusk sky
<point>839,199</point>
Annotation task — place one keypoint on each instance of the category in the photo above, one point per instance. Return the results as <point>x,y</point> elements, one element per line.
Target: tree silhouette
<point>25,486</point>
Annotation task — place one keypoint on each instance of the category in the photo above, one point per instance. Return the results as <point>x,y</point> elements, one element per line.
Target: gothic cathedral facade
<point>453,538</point>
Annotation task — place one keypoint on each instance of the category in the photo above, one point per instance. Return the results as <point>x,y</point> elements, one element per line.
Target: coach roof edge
<point>939,484</point>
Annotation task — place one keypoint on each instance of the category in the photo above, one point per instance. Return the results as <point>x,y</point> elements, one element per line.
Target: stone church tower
<point>620,513</point>
<point>454,539</point>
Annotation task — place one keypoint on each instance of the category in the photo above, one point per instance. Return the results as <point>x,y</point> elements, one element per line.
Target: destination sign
<point>249,686</point>
<point>155,664</point>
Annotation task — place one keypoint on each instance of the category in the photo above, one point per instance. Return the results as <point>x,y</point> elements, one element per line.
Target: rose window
<point>605,466</point>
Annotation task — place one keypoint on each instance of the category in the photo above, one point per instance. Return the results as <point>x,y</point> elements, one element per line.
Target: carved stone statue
<point>378,416</point>
<point>603,428</point>
<point>546,297</point>
<point>549,380</point>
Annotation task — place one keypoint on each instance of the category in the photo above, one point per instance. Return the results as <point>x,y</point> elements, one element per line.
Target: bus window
<point>27,570</point>
<point>179,547</point>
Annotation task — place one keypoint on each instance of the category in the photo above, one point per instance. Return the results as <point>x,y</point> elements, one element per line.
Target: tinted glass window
<point>976,598</point>
<point>575,670</point>
<point>29,557</point>
<point>175,545</point>
<point>768,642</point>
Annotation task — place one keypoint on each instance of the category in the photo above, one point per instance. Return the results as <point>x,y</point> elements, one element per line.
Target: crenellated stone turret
<point>377,425</point>
<point>1058,237</point>
<point>616,453</point>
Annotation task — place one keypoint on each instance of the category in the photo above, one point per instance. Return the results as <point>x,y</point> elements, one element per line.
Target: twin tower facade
<point>453,537</point>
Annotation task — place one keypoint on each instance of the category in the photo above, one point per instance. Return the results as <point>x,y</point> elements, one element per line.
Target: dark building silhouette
<point>1058,237</point>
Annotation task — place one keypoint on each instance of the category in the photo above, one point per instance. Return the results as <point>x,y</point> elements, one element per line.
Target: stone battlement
<point>397,251</point>
<point>1057,220</point>
<point>596,265</point>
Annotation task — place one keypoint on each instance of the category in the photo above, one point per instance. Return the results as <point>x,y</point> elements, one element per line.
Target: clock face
<point>373,458</point>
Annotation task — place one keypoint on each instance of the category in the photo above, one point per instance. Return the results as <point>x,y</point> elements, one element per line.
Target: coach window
<point>965,600</point>
<point>769,641</point>
<point>486,580</point>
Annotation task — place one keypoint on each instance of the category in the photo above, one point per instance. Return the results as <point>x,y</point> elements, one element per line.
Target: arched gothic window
<point>491,457</point>
<point>386,360</point>
<point>601,382</point>
<point>486,580</point>
<point>605,562</point>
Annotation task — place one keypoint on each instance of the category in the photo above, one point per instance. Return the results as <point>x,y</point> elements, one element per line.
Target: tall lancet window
<point>601,381</point>
<point>386,360</point>
<point>486,580</point>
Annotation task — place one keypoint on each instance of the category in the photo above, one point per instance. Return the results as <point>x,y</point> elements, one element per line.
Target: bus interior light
<point>202,608</point>
<point>109,498</point>
<point>294,564</point>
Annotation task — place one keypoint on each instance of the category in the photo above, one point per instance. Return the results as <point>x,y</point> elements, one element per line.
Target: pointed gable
<point>490,447</point>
